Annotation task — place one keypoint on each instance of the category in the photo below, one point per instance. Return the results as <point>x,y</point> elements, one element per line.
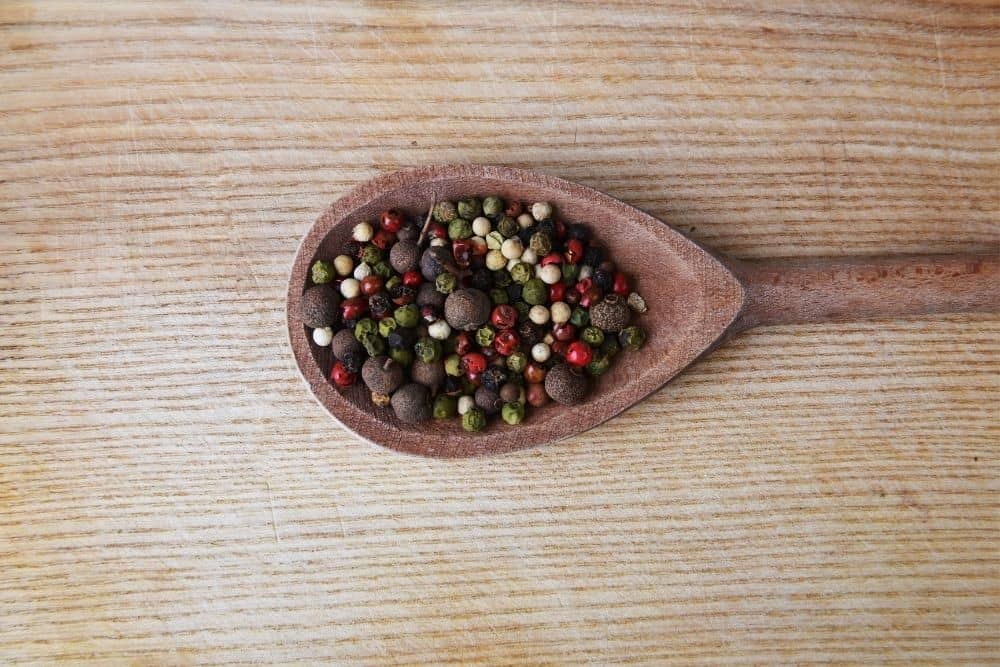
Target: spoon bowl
<point>695,300</point>
<point>692,297</point>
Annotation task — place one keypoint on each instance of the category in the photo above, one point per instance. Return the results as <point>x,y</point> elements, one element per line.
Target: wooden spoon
<point>696,300</point>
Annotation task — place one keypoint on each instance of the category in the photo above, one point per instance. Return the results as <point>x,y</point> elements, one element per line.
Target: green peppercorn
<point>484,336</point>
<point>365,328</point>
<point>402,356</point>
<point>494,240</point>
<point>470,208</point>
<point>445,406</point>
<point>446,283</point>
<point>598,365</point>
<point>517,361</point>
<point>383,270</point>
<point>570,272</point>
<point>521,273</point>
<point>512,413</point>
<point>501,278</point>
<point>392,282</point>
<point>592,336</point>
<point>474,420</point>
<point>371,255</point>
<point>322,272</point>
<point>498,296</point>
<point>541,243</point>
<point>459,228</point>
<point>632,338</point>
<point>427,349</point>
<point>508,227</point>
<point>373,345</point>
<point>580,317</point>
<point>445,211</point>
<point>610,347</point>
<point>386,326</point>
<point>453,365</point>
<point>522,310</point>
<point>535,292</point>
<point>493,207</point>
<point>407,316</point>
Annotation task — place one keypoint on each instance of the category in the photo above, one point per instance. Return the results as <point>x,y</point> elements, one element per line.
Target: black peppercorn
<point>402,337</point>
<point>529,332</point>
<point>380,305</point>
<point>482,279</point>
<point>452,385</point>
<point>604,279</point>
<point>593,256</point>
<point>353,360</point>
<point>489,400</point>
<point>514,292</point>
<point>525,235</point>
<point>578,232</point>
<point>493,378</point>
<point>402,294</point>
<point>546,227</point>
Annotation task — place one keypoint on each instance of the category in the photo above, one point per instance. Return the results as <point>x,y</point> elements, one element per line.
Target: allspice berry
<point>344,343</point>
<point>382,374</point>
<point>565,384</point>
<point>611,314</point>
<point>405,256</point>
<point>411,403</point>
<point>427,295</point>
<point>319,306</point>
<point>428,373</point>
<point>467,309</point>
<point>488,400</point>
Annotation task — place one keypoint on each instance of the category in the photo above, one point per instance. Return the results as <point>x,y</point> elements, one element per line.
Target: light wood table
<point>171,494</point>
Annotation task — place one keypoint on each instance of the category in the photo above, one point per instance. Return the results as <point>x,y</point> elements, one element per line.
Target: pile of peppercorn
<point>481,307</point>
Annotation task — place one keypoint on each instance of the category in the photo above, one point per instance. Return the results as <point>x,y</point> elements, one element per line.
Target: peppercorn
<point>507,226</point>
<point>409,232</point>
<point>610,347</point>
<point>467,309</point>
<point>445,211</point>
<point>564,332</point>
<point>400,338</point>
<point>462,343</point>
<point>535,292</point>
<point>598,365</point>
<point>353,248</point>
<point>382,374</point>
<point>371,285</point>
<point>411,402</point>
<point>522,309</point>
<point>632,338</point>
<point>322,272</point>
<point>521,273</point>
<point>578,232</point>
<point>459,228</point>
<point>379,305</point>
<point>484,336</point>
<point>579,353</point>
<point>593,256</point>
<point>382,269</point>
<point>453,386</point>
<point>453,365</point>
<point>427,349</point>
<point>474,420</point>
<point>592,336</point>
<point>605,280</point>
<point>473,363</point>
<point>502,278</point>
<point>534,373</point>
<point>514,292</point>
<point>541,243</point>
<point>402,295</point>
<point>446,283</point>
<point>318,306</point>
<point>344,342</point>
<point>427,295</point>
<point>374,345</point>
<point>506,342</point>
<point>386,327</point>
<point>570,272</point>
<point>512,413</point>
<point>381,400</point>
<point>493,207</point>
<point>536,395</point>
<point>405,256</point>
<point>489,400</point>
<point>512,393</point>
<point>493,378</point>
<point>407,316</point>
<point>529,332</point>
<point>517,362</point>
<point>341,376</point>
<point>545,227</point>
<point>612,314</point>
<point>428,373</point>
<point>470,208</point>
<point>565,384</point>
<point>444,407</point>
<point>433,262</point>
<point>354,360</point>
<point>402,356</point>
<point>580,317</point>
<point>499,296</point>
<point>481,279</point>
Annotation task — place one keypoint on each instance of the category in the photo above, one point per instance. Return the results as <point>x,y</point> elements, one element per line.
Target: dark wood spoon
<point>696,300</point>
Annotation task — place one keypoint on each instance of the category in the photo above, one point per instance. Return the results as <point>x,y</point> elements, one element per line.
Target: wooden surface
<point>170,493</point>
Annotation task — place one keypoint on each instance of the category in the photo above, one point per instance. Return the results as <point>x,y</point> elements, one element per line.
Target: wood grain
<point>171,494</point>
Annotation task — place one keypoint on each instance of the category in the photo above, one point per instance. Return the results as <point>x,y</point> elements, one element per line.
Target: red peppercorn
<point>591,296</point>
<point>462,250</point>
<point>572,297</point>
<point>352,309</point>
<point>371,285</point>
<point>574,250</point>
<point>620,286</point>
<point>342,377</point>
<point>557,292</point>
<point>583,285</point>
<point>473,362</point>
<point>412,279</point>
<point>559,348</point>
<point>437,231</point>
<point>463,345</point>
<point>535,395</point>
<point>428,313</point>
<point>564,331</point>
<point>504,316</point>
<point>579,353</point>
<point>506,342</point>
<point>383,239</point>
<point>514,209</point>
<point>551,258</point>
<point>392,221</point>
<point>475,379</point>
<point>534,373</point>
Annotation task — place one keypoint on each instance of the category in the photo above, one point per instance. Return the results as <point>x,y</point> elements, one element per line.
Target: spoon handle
<point>786,291</point>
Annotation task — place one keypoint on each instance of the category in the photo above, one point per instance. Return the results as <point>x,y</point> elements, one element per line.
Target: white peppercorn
<point>512,248</point>
<point>465,403</point>
<point>525,220</point>
<point>538,314</point>
<point>439,329</point>
<point>541,210</point>
<point>481,226</point>
<point>362,271</point>
<point>350,288</point>
<point>323,336</point>
<point>550,274</point>
<point>363,232</point>
<point>541,352</point>
<point>495,260</point>
<point>560,312</point>
<point>529,256</point>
